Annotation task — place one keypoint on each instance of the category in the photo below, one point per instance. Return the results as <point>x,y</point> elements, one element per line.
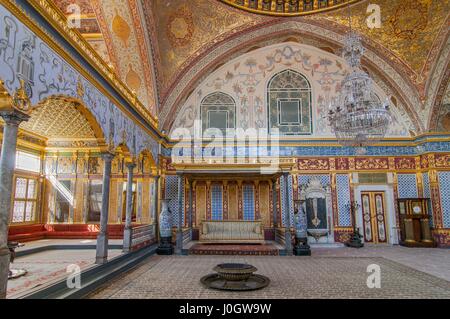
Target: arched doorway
<point>64,187</point>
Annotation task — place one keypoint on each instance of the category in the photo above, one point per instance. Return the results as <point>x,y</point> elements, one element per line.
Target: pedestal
<point>302,248</point>
<point>355,241</point>
<point>165,246</point>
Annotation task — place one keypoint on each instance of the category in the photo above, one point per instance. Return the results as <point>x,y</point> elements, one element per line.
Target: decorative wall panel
<point>171,192</point>
<point>248,196</point>
<point>343,198</point>
<point>407,186</point>
<point>444,187</point>
<point>216,202</point>
<point>245,80</point>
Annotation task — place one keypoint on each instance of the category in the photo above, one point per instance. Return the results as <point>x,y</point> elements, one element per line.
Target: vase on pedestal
<point>165,230</point>
<point>301,247</point>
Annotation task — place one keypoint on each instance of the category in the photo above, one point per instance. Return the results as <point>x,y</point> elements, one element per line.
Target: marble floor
<point>50,266</point>
<point>329,273</point>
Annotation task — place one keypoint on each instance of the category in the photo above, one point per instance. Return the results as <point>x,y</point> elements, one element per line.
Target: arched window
<point>289,103</point>
<point>218,111</point>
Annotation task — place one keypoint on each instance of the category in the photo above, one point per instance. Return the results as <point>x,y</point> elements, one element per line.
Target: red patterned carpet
<point>236,249</point>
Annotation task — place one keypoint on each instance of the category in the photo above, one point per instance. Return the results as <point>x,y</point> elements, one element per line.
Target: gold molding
<point>272,11</point>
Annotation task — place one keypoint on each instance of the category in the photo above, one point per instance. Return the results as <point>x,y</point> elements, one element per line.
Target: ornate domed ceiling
<point>287,7</point>
<point>162,48</point>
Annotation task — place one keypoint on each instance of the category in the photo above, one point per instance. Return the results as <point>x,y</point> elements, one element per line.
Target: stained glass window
<point>216,202</point>
<point>218,113</point>
<point>25,200</point>
<point>289,103</point>
<point>248,202</point>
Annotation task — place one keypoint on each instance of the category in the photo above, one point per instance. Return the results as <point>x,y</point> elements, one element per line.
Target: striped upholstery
<point>232,232</point>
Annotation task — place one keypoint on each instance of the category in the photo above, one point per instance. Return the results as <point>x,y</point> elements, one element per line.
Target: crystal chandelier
<point>357,116</point>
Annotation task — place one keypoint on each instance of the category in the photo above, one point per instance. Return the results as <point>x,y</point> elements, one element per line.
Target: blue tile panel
<point>172,194</point>
<point>343,198</point>
<point>216,202</point>
<point>444,187</point>
<point>248,202</point>
<point>318,150</point>
<point>407,186</point>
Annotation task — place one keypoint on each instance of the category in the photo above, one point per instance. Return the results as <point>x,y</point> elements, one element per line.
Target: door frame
<point>391,224</point>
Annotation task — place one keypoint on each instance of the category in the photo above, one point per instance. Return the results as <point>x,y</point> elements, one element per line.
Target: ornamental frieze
<point>405,163</point>
<point>371,163</point>
<point>442,160</point>
<point>313,164</point>
<point>342,164</point>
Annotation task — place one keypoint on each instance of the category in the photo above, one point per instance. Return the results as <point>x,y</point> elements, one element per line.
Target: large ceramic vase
<point>301,237</point>
<point>165,230</point>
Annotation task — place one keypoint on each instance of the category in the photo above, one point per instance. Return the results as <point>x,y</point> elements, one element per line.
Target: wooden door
<point>374,217</point>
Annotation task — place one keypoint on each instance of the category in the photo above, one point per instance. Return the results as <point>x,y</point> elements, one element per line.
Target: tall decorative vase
<point>301,247</point>
<point>165,230</point>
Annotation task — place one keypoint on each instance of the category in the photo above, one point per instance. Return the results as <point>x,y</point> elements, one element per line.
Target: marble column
<point>12,119</point>
<point>274,203</point>
<point>287,220</point>
<point>179,246</point>
<point>155,200</point>
<point>127,233</point>
<point>191,209</point>
<point>102,238</point>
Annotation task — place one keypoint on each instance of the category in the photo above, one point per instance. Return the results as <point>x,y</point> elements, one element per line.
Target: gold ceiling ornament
<point>21,101</point>
<point>5,97</point>
<point>287,8</point>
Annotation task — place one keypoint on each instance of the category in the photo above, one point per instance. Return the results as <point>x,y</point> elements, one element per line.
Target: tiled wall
<point>444,187</point>
<point>407,186</point>
<point>343,198</point>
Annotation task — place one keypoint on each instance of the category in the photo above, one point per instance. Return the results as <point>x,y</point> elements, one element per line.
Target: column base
<point>126,240</point>
<point>302,248</point>
<point>302,251</point>
<point>101,260</point>
<point>355,241</point>
<point>165,247</point>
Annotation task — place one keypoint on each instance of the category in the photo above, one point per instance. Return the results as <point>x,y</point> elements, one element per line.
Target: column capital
<point>130,165</point>
<point>19,104</point>
<point>108,156</point>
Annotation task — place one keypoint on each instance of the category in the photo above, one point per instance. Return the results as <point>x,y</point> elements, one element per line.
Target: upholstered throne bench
<point>232,231</point>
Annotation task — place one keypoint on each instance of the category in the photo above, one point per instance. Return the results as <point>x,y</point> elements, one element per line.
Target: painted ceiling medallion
<point>287,7</point>
<point>180,27</point>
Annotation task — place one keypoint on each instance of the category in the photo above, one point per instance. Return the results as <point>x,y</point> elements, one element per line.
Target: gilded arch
<point>394,73</point>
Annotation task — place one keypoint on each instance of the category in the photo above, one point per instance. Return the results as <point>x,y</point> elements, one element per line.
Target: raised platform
<point>267,249</point>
